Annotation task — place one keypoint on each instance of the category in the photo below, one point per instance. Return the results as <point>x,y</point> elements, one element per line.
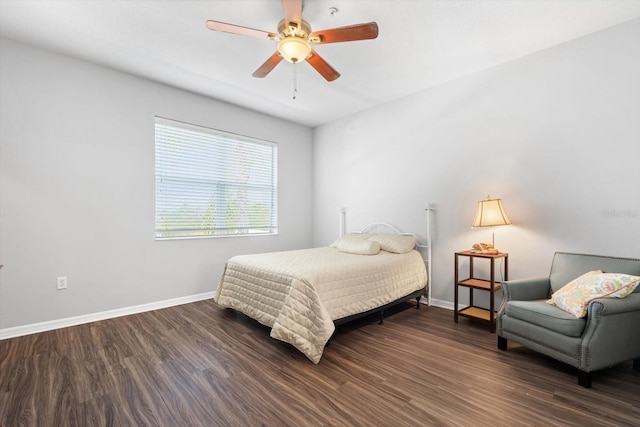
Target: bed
<point>303,294</point>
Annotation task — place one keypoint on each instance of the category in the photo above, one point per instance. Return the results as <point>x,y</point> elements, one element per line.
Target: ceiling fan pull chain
<point>295,80</point>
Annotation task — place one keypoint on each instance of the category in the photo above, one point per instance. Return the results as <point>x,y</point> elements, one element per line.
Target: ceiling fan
<point>295,39</point>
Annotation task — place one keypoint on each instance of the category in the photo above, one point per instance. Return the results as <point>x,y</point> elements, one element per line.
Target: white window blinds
<point>213,183</point>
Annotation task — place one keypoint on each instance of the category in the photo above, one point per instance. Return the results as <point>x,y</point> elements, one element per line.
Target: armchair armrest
<point>611,333</point>
<point>607,306</point>
<point>526,289</point>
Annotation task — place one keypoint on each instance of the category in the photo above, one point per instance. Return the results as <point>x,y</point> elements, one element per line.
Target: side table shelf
<point>485,315</point>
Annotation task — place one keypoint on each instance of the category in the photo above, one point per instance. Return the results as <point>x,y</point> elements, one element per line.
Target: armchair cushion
<point>546,316</point>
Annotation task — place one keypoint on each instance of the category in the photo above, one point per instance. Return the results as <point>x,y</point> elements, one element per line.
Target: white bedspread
<point>299,293</point>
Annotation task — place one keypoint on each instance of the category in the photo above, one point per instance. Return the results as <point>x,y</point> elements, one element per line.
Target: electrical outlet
<point>61,283</point>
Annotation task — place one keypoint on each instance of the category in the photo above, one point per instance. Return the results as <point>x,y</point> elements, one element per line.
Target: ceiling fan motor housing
<point>294,45</point>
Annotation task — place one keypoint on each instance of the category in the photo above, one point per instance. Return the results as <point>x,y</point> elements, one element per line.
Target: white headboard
<point>382,228</point>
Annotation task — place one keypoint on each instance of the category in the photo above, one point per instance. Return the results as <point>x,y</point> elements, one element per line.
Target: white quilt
<point>299,293</point>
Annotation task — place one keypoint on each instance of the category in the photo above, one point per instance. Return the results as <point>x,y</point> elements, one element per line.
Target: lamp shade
<point>490,214</point>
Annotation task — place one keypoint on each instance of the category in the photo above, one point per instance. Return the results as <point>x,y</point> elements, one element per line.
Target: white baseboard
<point>441,303</point>
<point>34,328</point>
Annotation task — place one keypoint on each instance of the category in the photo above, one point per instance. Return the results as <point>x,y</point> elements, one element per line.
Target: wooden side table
<point>473,283</point>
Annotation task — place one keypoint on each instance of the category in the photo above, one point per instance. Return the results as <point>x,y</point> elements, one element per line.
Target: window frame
<point>169,172</point>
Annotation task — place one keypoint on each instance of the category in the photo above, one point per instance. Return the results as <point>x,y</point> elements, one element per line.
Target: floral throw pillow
<point>576,295</point>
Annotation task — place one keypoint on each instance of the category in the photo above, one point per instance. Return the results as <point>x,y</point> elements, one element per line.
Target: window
<point>213,183</point>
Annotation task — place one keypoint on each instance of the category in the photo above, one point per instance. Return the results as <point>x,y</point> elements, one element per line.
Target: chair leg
<point>636,364</point>
<point>502,343</point>
<point>584,379</point>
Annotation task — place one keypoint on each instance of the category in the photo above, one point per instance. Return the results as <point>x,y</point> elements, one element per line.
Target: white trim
<point>34,328</point>
<point>442,304</point>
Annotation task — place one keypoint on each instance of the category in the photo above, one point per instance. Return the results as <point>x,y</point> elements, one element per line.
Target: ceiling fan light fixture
<point>294,49</point>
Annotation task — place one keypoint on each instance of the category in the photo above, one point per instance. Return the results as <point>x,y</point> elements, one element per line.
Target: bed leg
<point>418,302</point>
<point>381,317</point>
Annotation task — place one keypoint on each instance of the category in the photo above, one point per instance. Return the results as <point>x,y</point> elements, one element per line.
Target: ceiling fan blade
<point>322,66</point>
<point>345,34</point>
<point>292,11</point>
<point>237,29</point>
<point>268,65</point>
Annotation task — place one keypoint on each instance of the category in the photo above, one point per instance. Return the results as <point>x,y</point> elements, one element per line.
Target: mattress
<point>299,294</point>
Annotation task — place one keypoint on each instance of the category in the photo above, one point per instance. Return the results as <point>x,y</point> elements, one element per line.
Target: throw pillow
<point>356,244</point>
<point>575,296</point>
<point>395,243</point>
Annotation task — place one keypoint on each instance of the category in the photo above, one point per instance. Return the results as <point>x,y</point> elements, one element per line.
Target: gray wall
<point>555,134</point>
<point>77,189</point>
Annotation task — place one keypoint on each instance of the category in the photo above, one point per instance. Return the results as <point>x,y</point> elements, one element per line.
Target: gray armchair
<point>608,335</point>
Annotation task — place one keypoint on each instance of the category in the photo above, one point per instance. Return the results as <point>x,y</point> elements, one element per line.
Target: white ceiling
<point>421,44</point>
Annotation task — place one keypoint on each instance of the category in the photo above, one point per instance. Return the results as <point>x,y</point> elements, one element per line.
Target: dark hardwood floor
<point>200,365</point>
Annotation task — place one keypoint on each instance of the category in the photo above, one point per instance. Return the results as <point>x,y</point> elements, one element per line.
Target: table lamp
<point>490,213</point>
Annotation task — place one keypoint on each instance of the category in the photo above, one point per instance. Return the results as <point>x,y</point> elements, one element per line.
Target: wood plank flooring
<point>200,365</point>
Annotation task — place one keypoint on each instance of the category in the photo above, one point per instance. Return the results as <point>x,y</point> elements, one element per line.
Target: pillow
<point>396,243</point>
<point>575,296</point>
<point>571,283</point>
<point>351,237</point>
<point>356,244</point>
